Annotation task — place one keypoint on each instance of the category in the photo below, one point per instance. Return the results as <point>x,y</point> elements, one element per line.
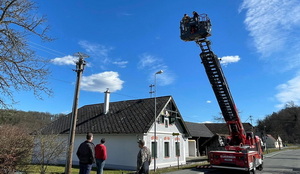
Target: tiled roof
<point>210,129</point>
<point>221,128</point>
<point>124,117</point>
<point>198,130</point>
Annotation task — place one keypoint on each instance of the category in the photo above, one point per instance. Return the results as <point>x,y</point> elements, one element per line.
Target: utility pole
<point>251,122</point>
<point>79,70</point>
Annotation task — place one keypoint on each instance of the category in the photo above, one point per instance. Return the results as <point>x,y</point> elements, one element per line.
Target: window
<point>172,119</point>
<point>177,149</point>
<point>167,152</point>
<point>154,149</point>
<point>161,119</point>
<point>166,122</point>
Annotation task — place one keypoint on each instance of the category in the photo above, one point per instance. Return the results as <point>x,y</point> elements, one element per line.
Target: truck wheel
<point>251,172</point>
<point>260,167</point>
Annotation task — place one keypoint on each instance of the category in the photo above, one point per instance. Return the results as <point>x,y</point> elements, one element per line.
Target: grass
<point>34,169</point>
<point>290,147</point>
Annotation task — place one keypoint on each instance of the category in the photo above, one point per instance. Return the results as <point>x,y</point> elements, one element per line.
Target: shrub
<point>15,147</point>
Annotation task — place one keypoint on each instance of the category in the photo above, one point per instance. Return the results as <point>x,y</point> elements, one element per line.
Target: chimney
<point>106,101</point>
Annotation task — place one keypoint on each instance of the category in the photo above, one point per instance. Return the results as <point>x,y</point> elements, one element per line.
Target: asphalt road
<point>282,162</point>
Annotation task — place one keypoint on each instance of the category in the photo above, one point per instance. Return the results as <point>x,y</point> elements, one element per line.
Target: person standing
<point>86,155</point>
<point>195,16</point>
<point>101,156</point>
<point>143,158</point>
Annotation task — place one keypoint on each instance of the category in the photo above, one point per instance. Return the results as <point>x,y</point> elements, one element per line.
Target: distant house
<point>271,142</point>
<point>123,123</point>
<point>210,136</point>
<point>199,134</point>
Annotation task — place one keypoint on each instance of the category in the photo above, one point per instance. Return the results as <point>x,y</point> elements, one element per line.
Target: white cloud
<point>225,60</point>
<point>94,48</point>
<point>121,64</point>
<point>96,51</point>
<point>99,82</point>
<point>100,54</point>
<point>289,91</point>
<point>148,61</point>
<point>66,60</point>
<point>207,122</point>
<point>151,65</point>
<point>274,27</point>
<point>208,101</point>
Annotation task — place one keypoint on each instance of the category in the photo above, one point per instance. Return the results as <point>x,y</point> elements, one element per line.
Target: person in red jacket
<point>101,155</point>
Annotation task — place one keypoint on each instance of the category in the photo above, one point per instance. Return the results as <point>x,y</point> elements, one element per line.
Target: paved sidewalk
<point>186,171</point>
<point>191,160</point>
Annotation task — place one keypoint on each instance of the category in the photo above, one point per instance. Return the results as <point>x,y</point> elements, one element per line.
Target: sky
<point>128,41</point>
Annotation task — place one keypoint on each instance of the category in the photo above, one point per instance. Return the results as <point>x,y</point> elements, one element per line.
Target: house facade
<point>122,124</point>
<point>272,142</point>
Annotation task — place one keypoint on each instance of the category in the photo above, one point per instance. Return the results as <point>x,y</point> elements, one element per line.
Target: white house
<point>123,123</point>
<point>271,142</point>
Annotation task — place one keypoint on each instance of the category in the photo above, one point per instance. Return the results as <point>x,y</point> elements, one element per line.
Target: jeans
<point>145,168</point>
<point>100,165</point>
<point>85,168</point>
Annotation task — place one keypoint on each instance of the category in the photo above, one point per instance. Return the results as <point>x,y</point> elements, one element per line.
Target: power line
<point>37,48</point>
<point>46,49</point>
<point>125,95</point>
<point>60,80</point>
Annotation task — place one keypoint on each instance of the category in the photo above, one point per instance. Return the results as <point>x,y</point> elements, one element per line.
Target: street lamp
<point>155,144</point>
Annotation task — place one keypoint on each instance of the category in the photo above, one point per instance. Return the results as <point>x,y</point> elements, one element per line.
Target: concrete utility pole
<point>79,69</point>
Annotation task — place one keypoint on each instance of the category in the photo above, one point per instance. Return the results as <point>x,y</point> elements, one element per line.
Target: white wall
<point>123,149</point>
<point>165,135</point>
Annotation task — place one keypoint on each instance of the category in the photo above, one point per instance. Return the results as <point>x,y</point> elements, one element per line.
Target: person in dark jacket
<point>86,155</point>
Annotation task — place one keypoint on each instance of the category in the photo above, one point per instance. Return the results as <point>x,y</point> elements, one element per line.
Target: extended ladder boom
<point>220,87</point>
<point>242,151</point>
<point>197,29</point>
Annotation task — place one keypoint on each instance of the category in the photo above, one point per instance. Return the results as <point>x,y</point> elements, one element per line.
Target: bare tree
<point>219,119</point>
<point>48,149</point>
<point>20,69</point>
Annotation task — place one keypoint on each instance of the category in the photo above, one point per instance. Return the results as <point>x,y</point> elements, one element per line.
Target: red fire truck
<point>243,150</point>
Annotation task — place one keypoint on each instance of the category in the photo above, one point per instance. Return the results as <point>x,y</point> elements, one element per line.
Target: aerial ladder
<point>242,150</point>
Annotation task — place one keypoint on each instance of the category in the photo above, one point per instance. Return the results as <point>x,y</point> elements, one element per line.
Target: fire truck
<point>243,150</point>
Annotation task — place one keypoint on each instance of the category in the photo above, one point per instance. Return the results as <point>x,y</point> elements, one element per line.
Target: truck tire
<point>260,167</point>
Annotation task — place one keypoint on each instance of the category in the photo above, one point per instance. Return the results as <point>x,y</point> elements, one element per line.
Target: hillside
<point>285,123</point>
<point>31,120</point>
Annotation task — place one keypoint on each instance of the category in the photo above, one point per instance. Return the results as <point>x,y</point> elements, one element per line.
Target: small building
<point>199,134</point>
<point>123,123</point>
<point>272,142</point>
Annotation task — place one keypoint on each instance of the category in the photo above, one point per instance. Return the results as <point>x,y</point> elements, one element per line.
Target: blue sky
<point>129,40</point>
